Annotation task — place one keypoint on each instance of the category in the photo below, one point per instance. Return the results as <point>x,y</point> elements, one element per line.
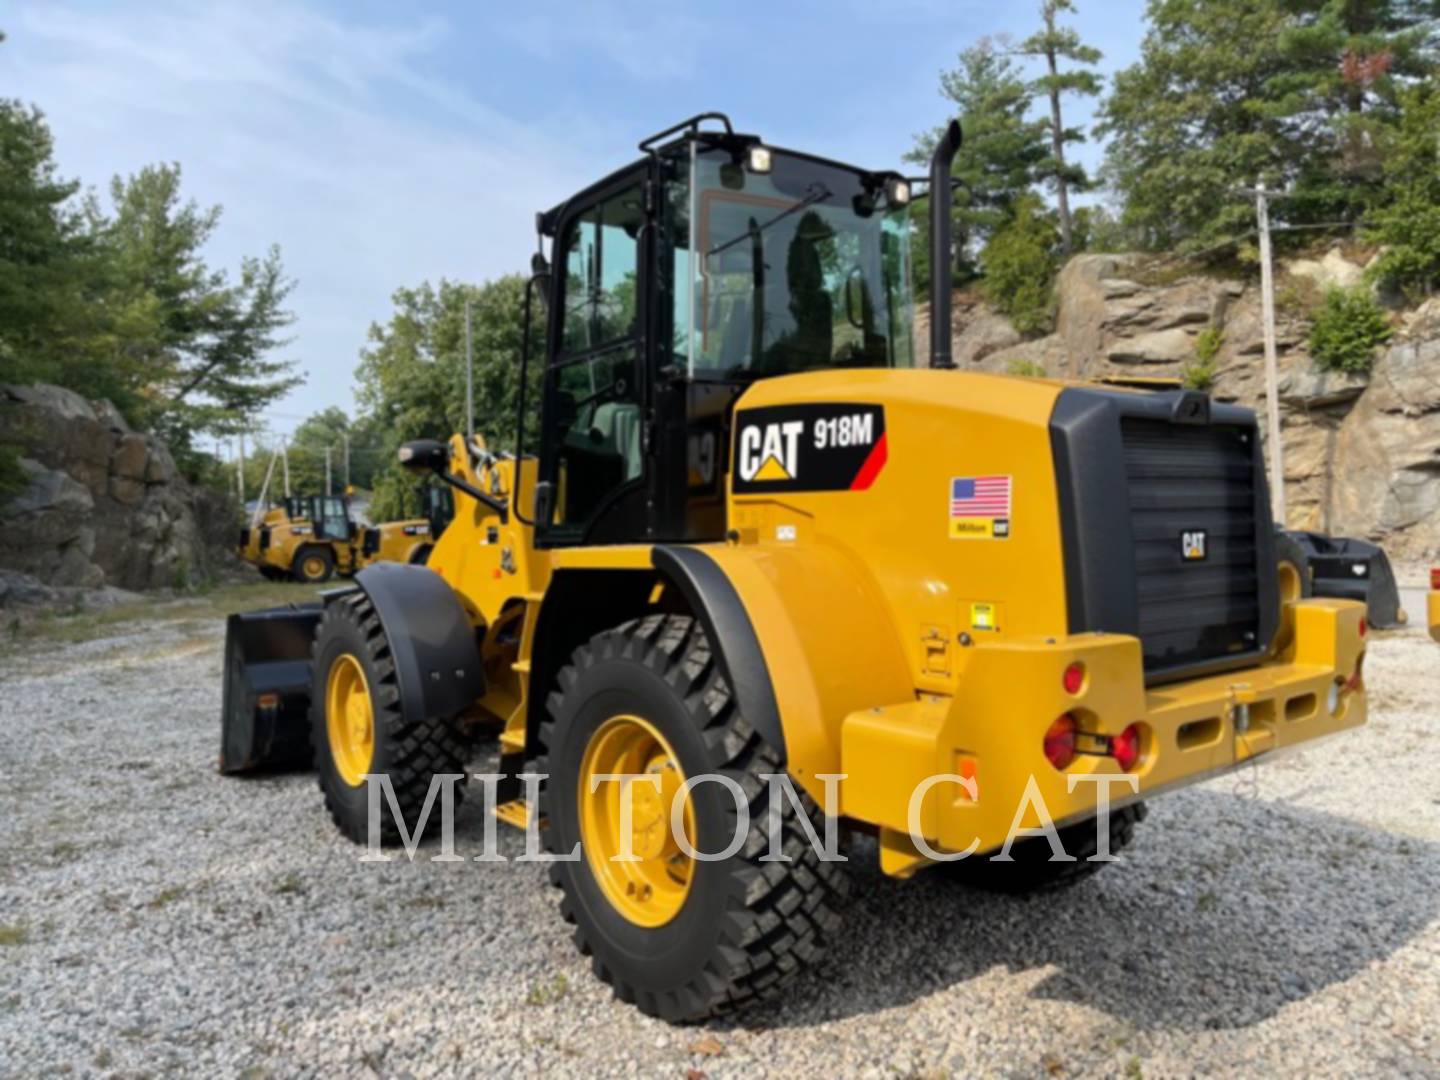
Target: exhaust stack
<point>941,245</point>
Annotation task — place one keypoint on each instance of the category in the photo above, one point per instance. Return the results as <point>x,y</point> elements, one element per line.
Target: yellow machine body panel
<point>393,541</point>
<point>907,635</point>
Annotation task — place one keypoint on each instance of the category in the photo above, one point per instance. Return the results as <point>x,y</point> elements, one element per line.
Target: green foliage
<point>12,478</point>
<point>1019,263</point>
<point>412,375</point>
<point>1348,328</point>
<point>1004,148</point>
<point>1408,222</point>
<point>1199,372</point>
<point>1026,369</point>
<point>1052,45</point>
<point>1301,92</point>
<point>120,302</point>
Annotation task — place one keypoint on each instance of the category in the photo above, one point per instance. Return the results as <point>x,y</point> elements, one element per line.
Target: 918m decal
<point>809,448</point>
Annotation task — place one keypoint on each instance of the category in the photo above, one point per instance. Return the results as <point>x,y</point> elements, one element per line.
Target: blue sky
<point>383,144</point>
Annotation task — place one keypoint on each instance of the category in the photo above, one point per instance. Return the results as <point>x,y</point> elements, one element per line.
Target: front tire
<point>357,727</point>
<point>313,565</point>
<point>728,933</point>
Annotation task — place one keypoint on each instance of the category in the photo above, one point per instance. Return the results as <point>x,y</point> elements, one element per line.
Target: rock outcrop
<point>1362,453</point>
<point>104,505</point>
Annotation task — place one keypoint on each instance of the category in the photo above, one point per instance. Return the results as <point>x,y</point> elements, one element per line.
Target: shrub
<point>1027,369</point>
<point>1019,264</point>
<point>1199,372</point>
<point>12,478</point>
<point>1348,328</point>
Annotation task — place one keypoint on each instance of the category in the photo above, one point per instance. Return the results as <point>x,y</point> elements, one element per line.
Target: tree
<point>1004,149</point>
<point>1191,119</point>
<point>195,348</point>
<point>1019,264</point>
<point>329,429</point>
<point>1407,222</point>
<point>1054,44</point>
<point>1346,62</point>
<point>46,261</point>
<point>412,375</point>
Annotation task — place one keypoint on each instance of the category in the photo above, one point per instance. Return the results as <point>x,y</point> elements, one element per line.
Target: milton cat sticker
<point>809,448</point>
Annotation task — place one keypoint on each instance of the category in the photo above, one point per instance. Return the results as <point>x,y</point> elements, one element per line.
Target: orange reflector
<point>268,701</point>
<point>1060,742</point>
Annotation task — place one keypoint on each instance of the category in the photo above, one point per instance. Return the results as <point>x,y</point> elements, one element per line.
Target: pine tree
<point>1054,44</point>
<point>1004,149</point>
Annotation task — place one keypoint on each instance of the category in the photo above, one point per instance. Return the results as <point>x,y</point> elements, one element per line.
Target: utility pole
<point>327,470</point>
<point>347,461</point>
<point>1262,196</point>
<point>240,471</point>
<point>469,380</point>
<point>285,457</point>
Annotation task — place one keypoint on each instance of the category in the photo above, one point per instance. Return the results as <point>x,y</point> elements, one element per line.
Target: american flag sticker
<point>980,507</point>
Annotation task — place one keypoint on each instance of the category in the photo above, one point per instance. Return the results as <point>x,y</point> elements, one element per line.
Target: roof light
<point>897,191</point>
<point>760,160</point>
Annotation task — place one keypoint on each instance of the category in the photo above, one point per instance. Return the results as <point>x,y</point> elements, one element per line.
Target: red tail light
<point>1074,678</point>
<point>1060,742</point>
<point>1125,747</point>
<point>1435,579</point>
<point>1364,626</point>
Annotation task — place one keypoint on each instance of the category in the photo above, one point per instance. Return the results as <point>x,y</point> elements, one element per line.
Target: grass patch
<point>14,933</point>
<point>165,897</point>
<point>203,605</point>
<point>289,885</point>
<point>547,993</point>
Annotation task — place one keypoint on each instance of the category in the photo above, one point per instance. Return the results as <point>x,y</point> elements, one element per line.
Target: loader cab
<point>712,262</point>
<point>328,514</point>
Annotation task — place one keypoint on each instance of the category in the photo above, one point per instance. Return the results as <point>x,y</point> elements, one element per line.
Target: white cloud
<point>320,133</point>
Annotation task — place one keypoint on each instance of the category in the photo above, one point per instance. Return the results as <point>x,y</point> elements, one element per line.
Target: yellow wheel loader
<point>759,548</point>
<point>310,539</point>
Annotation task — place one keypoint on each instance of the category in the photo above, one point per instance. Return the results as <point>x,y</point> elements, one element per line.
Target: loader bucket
<point>1352,569</point>
<point>265,722</point>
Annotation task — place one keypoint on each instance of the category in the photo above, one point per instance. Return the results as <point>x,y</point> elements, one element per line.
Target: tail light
<point>1074,678</point>
<point>1125,747</point>
<point>1060,742</point>
<point>1435,579</point>
<point>1364,626</point>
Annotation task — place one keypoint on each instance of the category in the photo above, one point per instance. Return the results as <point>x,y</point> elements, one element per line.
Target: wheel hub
<point>650,886</point>
<point>349,719</point>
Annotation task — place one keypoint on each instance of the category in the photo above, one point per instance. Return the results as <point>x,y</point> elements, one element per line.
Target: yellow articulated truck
<point>756,546</point>
<point>310,539</point>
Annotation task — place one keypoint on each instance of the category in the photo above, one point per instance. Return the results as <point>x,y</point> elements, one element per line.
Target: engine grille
<point>1188,479</point>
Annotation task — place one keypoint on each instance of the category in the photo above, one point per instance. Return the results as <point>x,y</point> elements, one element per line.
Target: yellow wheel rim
<point>1290,590</point>
<point>314,566</point>
<point>650,890</point>
<point>349,719</point>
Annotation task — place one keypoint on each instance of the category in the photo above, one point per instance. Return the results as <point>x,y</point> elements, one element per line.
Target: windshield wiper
<point>817,193</point>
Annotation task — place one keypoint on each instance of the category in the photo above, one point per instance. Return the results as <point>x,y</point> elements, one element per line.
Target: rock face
<point>1362,453</point>
<point>104,504</point>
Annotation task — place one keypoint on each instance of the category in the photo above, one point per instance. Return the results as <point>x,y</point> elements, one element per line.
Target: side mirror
<point>540,271</point>
<point>425,455</point>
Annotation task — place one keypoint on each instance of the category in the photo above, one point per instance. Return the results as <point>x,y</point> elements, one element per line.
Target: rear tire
<point>1034,872</point>
<point>313,565</point>
<point>744,927</point>
<point>410,754</point>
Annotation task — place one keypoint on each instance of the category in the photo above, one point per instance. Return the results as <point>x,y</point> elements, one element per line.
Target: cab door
<point>595,416</point>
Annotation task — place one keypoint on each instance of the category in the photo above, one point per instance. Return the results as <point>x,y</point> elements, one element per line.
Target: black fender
<point>713,600</point>
<point>432,641</point>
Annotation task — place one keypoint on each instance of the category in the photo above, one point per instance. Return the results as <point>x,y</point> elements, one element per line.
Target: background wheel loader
<point>755,540</point>
<point>309,539</point>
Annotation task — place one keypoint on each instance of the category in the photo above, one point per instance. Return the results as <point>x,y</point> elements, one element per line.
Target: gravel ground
<point>157,917</point>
